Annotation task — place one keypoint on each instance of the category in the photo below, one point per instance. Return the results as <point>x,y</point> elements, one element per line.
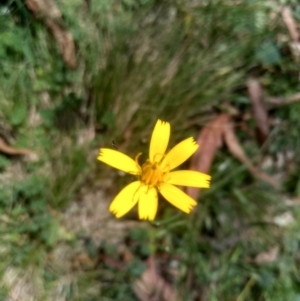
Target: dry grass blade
<point>48,11</point>
<point>172,67</point>
<point>152,287</point>
<point>209,139</point>
<point>13,151</point>
<point>237,151</point>
<point>259,111</point>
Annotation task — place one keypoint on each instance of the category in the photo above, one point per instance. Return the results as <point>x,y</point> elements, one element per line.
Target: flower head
<point>155,175</point>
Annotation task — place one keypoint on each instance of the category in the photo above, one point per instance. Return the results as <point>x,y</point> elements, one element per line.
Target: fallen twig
<point>280,101</point>
<point>13,151</point>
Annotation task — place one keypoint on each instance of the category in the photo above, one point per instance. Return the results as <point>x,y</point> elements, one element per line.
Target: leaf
<point>108,119</point>
<point>267,53</point>
<point>259,111</point>
<point>12,40</point>
<point>209,140</point>
<point>19,114</point>
<point>152,287</point>
<point>290,23</point>
<point>48,11</point>
<point>9,150</point>
<point>48,116</point>
<point>4,162</point>
<point>267,257</point>
<point>237,151</point>
<point>41,85</point>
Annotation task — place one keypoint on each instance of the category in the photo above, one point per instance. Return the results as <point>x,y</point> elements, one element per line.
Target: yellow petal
<point>118,160</point>
<point>159,140</point>
<point>179,153</point>
<point>126,199</point>
<point>177,197</point>
<point>189,178</point>
<point>148,203</point>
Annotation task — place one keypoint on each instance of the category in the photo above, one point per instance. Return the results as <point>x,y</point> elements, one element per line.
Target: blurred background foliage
<point>136,61</point>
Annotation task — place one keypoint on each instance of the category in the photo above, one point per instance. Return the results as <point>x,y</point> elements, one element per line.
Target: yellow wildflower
<point>155,175</point>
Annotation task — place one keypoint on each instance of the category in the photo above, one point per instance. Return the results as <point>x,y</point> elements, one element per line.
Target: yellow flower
<point>155,175</point>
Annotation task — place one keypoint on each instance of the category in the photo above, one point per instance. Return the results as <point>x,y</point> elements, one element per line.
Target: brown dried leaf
<point>259,111</point>
<point>127,256</point>
<point>290,23</point>
<point>238,152</point>
<point>152,287</point>
<point>9,150</point>
<point>82,261</point>
<point>125,253</point>
<point>292,27</point>
<point>295,49</point>
<point>128,131</point>
<point>44,9</point>
<point>85,136</point>
<point>48,11</point>
<point>267,257</point>
<point>284,219</point>
<point>112,263</point>
<point>107,259</point>
<point>209,139</point>
<point>65,41</point>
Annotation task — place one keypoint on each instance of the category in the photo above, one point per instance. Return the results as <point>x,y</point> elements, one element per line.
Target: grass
<point>138,61</point>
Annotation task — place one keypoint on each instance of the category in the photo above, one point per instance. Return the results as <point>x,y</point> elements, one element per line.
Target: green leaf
<point>297,190</point>
<point>19,114</point>
<point>41,85</point>
<point>268,53</point>
<point>4,162</point>
<point>136,267</point>
<point>108,119</point>
<point>48,117</point>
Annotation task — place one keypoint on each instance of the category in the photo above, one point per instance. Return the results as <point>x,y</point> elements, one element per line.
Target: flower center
<point>152,173</point>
